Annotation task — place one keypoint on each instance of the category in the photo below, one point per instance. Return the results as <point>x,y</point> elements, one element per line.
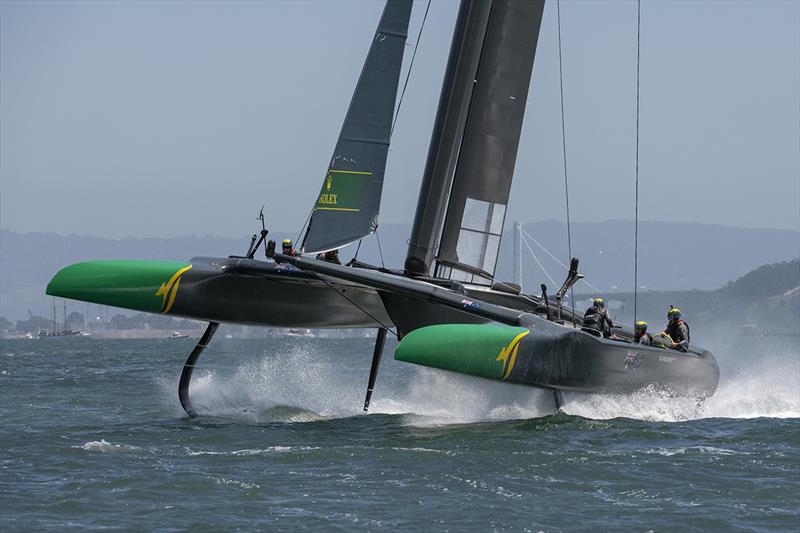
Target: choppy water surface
<point>93,437</point>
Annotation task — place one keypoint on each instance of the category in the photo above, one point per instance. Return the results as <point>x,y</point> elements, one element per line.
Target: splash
<point>302,385</point>
<point>305,384</point>
<point>293,386</point>
<point>767,386</point>
<point>434,397</point>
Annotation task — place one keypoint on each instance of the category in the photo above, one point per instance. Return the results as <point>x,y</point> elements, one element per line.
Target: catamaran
<point>444,304</point>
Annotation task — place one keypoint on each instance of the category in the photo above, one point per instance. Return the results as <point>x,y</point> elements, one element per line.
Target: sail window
<point>479,236</point>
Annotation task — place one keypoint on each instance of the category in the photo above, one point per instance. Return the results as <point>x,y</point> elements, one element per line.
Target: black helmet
<point>599,302</point>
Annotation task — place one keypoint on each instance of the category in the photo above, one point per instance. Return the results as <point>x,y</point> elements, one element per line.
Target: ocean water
<point>93,437</point>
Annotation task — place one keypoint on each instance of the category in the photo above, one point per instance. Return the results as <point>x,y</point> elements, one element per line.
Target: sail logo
<point>169,290</point>
<point>508,355</point>
<point>327,199</point>
<point>343,190</point>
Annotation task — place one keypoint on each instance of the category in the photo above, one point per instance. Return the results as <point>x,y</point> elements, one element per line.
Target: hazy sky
<point>169,118</point>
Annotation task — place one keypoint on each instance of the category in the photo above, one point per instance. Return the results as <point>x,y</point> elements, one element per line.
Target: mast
<point>448,130</point>
<point>517,254</point>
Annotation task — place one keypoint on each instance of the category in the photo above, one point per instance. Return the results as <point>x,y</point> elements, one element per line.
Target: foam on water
<point>302,385</point>
<point>104,446</point>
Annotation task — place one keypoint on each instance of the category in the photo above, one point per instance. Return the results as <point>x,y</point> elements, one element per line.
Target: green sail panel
<point>347,206</point>
<point>343,190</point>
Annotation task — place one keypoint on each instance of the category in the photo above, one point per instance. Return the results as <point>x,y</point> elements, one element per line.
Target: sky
<point>173,118</point>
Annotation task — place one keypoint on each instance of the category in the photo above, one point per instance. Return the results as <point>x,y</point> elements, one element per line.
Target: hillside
<point>766,300</point>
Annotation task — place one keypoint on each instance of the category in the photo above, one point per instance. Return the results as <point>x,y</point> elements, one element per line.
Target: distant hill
<point>767,300</point>
<point>671,256</point>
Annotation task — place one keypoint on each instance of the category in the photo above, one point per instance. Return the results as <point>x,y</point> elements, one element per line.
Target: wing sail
<point>482,182</point>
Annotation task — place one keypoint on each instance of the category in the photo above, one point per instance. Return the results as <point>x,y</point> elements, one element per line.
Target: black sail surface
<point>482,182</point>
<point>348,203</point>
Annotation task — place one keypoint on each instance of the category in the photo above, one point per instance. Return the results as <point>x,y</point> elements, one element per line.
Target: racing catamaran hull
<point>221,290</point>
<point>550,356</point>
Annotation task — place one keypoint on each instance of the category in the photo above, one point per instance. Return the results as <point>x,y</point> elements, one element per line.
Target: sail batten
<point>348,203</point>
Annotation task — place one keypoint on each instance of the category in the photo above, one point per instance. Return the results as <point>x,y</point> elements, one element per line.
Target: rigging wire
<point>556,259</point>
<point>533,254</point>
<point>564,143</point>
<point>636,216</point>
<point>380,250</point>
<point>410,66</point>
<point>358,249</point>
<point>303,227</point>
<point>343,295</point>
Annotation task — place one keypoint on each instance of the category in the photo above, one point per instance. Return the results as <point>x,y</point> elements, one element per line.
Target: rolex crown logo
<point>329,182</point>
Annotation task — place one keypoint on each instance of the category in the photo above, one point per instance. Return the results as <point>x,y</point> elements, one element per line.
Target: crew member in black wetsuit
<point>678,330</point>
<point>597,318</point>
<point>640,335</point>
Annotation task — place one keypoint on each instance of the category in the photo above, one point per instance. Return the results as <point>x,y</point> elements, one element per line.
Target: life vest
<point>591,318</point>
<point>674,331</point>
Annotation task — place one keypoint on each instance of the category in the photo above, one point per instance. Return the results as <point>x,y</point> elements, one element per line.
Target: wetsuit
<point>679,333</point>
<point>597,318</point>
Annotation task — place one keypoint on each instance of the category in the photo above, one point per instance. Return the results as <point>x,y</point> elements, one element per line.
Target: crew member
<point>640,335</point>
<point>287,248</point>
<point>331,256</point>
<point>597,318</point>
<point>677,329</point>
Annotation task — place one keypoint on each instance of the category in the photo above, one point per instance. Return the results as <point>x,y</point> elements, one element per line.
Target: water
<point>93,437</point>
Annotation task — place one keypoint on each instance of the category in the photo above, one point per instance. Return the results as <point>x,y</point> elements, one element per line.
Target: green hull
<point>150,286</point>
<point>487,351</point>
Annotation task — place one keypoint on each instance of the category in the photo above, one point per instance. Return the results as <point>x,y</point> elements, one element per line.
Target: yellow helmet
<point>641,325</point>
<point>599,302</point>
<point>673,313</point>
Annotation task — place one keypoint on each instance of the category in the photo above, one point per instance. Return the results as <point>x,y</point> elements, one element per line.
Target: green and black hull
<point>551,356</point>
<point>440,327</point>
<point>223,290</point>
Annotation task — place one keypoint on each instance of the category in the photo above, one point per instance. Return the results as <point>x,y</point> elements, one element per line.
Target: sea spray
<point>303,384</point>
<point>309,382</point>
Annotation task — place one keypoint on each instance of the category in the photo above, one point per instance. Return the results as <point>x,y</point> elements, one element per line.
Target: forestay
<point>348,203</point>
<point>482,182</point>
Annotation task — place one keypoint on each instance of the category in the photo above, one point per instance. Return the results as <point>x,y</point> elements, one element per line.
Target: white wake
<point>303,385</point>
